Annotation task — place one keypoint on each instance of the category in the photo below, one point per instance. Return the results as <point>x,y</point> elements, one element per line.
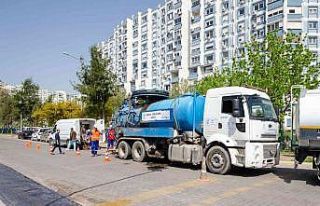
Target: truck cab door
<point>232,119</point>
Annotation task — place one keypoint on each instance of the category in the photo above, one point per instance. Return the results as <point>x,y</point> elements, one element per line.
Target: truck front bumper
<point>261,155</point>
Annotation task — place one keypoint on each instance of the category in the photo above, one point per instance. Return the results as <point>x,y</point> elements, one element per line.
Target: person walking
<point>72,140</point>
<point>111,136</point>
<point>57,142</point>
<point>95,137</point>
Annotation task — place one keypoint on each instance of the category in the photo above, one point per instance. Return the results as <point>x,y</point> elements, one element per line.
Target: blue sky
<point>33,35</point>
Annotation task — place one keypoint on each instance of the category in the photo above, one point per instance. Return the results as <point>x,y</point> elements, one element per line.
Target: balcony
<point>177,26</point>
<point>178,5</point>
<point>294,17</point>
<point>275,5</point>
<point>175,80</point>
<point>193,76</point>
<point>195,19</point>
<point>275,18</point>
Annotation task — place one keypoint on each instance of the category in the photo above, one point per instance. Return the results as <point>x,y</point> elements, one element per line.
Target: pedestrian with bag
<point>95,137</point>
<point>57,142</point>
<point>72,140</point>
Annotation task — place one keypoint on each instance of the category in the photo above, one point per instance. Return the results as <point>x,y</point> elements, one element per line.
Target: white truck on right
<point>306,126</point>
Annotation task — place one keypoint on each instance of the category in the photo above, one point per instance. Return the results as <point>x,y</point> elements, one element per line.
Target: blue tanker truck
<point>229,126</point>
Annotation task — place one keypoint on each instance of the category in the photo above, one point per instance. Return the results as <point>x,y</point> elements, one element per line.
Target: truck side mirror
<point>236,107</point>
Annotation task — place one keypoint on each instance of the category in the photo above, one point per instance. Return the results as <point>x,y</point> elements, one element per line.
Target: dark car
<point>26,133</point>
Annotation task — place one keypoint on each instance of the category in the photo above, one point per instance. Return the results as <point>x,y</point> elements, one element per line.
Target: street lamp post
<point>80,58</point>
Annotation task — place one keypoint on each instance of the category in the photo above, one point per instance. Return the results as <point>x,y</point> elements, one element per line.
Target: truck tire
<point>124,150</point>
<point>138,151</point>
<point>218,160</point>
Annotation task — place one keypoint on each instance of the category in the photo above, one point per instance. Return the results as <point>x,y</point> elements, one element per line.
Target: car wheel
<point>218,160</point>
<point>124,150</point>
<point>138,151</point>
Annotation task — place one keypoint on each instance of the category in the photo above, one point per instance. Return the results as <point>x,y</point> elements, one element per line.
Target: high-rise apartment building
<point>300,17</point>
<point>188,39</point>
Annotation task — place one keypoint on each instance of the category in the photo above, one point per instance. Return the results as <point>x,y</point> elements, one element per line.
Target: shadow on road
<point>290,174</point>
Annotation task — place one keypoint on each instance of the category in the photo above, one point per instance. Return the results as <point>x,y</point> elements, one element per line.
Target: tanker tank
<point>310,110</point>
<point>309,120</point>
<point>182,110</point>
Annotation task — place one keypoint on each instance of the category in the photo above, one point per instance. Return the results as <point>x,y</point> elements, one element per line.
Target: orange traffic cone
<point>29,144</point>
<point>38,147</point>
<point>107,158</point>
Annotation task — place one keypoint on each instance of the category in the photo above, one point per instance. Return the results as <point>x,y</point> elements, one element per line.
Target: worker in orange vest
<point>95,137</point>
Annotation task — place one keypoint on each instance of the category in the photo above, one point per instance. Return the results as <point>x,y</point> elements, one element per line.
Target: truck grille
<point>269,151</point>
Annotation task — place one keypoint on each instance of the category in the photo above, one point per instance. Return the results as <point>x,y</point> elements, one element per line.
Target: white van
<point>65,125</point>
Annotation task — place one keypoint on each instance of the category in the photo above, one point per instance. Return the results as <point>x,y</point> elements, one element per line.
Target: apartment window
<point>144,29</point>
<point>144,47</point>
<point>292,11</point>
<point>273,27</point>
<point>195,51</point>
<point>209,59</point>
<point>196,36</point>
<point>144,37</point>
<point>170,16</point>
<point>313,11</point>
<point>241,12</point>
<point>261,33</point>
<point>144,65</point>
<point>169,6</point>
<point>195,3</point>
<point>241,27</point>
<point>209,34</point>
<point>177,21</point>
<point>170,47</point>
<point>209,11</point>
<point>154,44</point>
<point>135,33</point>
<point>313,25</point>
<point>209,23</point>
<point>144,19</point>
<point>312,40</point>
<point>259,6</point>
<point>260,19</point>
<point>195,59</point>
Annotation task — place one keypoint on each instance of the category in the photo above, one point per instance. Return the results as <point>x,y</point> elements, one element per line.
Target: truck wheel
<point>124,150</point>
<point>138,151</point>
<point>218,160</point>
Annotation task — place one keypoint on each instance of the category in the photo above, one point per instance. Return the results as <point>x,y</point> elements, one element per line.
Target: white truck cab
<point>242,122</point>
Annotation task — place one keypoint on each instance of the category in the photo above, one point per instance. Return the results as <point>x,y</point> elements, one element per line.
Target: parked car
<point>27,132</point>
<point>37,133</point>
<point>46,135</point>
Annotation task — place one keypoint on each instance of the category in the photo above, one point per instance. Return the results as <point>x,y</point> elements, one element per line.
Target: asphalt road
<point>16,189</point>
<point>92,181</point>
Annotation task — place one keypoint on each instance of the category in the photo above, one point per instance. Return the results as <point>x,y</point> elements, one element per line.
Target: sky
<point>35,33</point>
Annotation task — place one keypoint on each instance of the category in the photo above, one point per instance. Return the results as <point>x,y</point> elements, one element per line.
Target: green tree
<point>26,99</point>
<point>7,109</point>
<point>273,66</point>
<point>97,83</point>
<point>114,102</point>
<point>181,88</point>
<point>48,113</point>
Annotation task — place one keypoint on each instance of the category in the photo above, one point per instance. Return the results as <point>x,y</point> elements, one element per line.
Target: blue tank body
<point>187,112</point>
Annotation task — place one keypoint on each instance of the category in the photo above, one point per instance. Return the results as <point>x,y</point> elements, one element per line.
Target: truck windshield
<point>261,109</point>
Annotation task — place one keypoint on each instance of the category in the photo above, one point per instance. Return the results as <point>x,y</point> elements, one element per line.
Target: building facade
<point>188,39</point>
